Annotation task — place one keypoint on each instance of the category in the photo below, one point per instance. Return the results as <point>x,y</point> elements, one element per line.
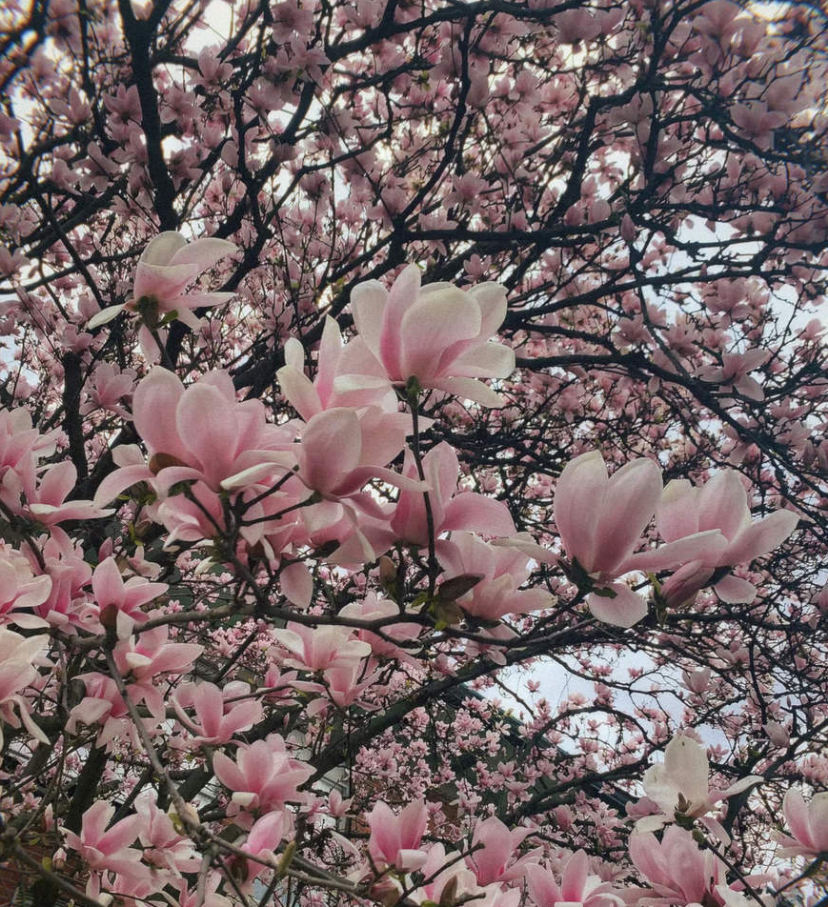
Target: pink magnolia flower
<point>67,604</point>
<point>20,590</point>
<point>577,885</point>
<point>680,785</point>
<point>47,502</point>
<point>342,449</point>
<point>342,685</point>
<point>103,848</point>
<point>437,334</point>
<point>600,520</point>
<point>395,838</point>
<point>101,705</point>
<point>18,655</point>
<point>120,603</point>
<point>676,868</point>
<point>143,658</point>
<point>263,776</point>
<point>720,504</point>
<point>199,433</point>
<point>109,387</point>
<point>450,510</point>
<point>219,713</point>
<point>440,869</point>
<point>808,823</point>
<point>320,648</point>
<point>163,846</point>
<point>372,607</point>
<point>734,373</point>
<point>346,376</point>
<point>493,847</point>
<point>262,842</point>
<point>501,570</point>
<point>167,266</point>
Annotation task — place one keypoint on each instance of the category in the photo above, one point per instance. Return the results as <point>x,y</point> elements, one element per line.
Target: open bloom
<point>600,520</point>
<point>720,504</point>
<point>808,823</point>
<point>577,885</point>
<point>437,334</point>
<point>680,785</point>
<point>105,848</point>
<point>167,266</point>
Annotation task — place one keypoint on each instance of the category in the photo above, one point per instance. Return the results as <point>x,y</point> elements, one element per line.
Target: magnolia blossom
<point>104,848</point>
<point>346,375</point>
<point>120,602</point>
<point>219,713</point>
<point>18,655</point>
<point>450,509</point>
<point>263,776</point>
<point>395,838</point>
<point>577,885</point>
<point>601,519</point>
<point>808,823</point>
<point>500,572</point>
<point>437,334</point>
<point>493,848</point>
<point>720,504</point>
<point>167,266</point>
<point>676,868</point>
<point>679,785</point>
<point>198,433</point>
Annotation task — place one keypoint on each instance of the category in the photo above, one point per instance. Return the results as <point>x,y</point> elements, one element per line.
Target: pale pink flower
<point>720,504</point>
<point>166,268</point>
<point>47,502</point>
<point>120,603</point>
<point>450,509</point>
<point>342,449</point>
<point>493,847</point>
<point>263,776</point>
<point>808,823</point>
<point>199,433</point>
<point>734,373</point>
<point>346,376</point>
<point>103,848</point>
<point>164,847</point>
<point>577,885</point>
<point>262,842</point>
<point>20,589</point>
<point>320,648</point>
<point>436,334</point>
<point>680,785</point>
<point>143,658</point>
<point>18,656</point>
<point>501,571</point>
<point>395,838</point>
<point>676,868</point>
<point>600,520</point>
<point>372,607</point>
<point>219,713</point>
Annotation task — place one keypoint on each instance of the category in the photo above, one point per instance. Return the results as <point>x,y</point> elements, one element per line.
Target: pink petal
<point>431,327</point>
<point>761,537</point>
<point>579,498</point>
<point>154,410</point>
<point>297,584</point>
<point>626,609</point>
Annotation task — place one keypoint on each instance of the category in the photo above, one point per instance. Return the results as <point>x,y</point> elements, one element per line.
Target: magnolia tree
<point>413,483</point>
